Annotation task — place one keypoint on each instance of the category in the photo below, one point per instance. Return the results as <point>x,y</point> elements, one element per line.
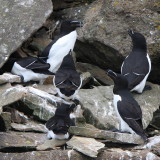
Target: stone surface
<point>20,139</point>
<point>51,144</point>
<point>153,141</point>
<point>10,94</point>
<point>19,22</point>
<point>42,109</point>
<point>117,153</point>
<point>107,135</point>
<point>29,126</point>
<point>45,155</point>
<point>8,77</point>
<point>96,72</point>
<point>99,110</point>
<point>87,146</point>
<point>42,103</point>
<point>103,39</point>
<point>7,120</point>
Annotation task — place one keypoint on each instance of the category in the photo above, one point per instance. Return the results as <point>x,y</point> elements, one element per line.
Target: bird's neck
<point>142,47</point>
<point>63,33</point>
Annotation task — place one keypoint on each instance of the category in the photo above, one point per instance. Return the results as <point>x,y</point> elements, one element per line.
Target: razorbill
<point>31,68</point>
<point>60,47</point>
<point>137,65</point>
<point>38,69</point>
<point>127,108</point>
<point>67,80</point>
<point>59,124</point>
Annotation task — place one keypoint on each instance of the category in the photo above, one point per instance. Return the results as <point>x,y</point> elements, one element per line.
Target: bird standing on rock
<point>60,47</point>
<point>137,65</point>
<point>59,124</point>
<point>67,80</point>
<point>33,68</point>
<point>127,108</point>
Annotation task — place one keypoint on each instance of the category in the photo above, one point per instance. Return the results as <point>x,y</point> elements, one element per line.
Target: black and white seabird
<point>31,68</point>
<point>137,65</point>
<point>38,69</point>
<point>67,80</point>
<point>59,124</point>
<point>127,108</point>
<point>60,47</point>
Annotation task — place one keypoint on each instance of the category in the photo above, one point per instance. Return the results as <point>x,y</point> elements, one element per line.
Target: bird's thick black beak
<point>130,32</point>
<point>111,74</point>
<point>77,23</point>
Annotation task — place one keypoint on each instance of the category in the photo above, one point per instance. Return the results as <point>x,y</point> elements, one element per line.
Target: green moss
<point>158,27</point>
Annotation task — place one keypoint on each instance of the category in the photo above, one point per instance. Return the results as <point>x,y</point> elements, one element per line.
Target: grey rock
<point>87,146</point>
<point>86,78</point>
<point>9,78</point>
<point>118,153</point>
<point>45,155</point>
<point>104,41</point>
<point>6,116</point>
<point>40,106</point>
<point>19,19</point>
<point>153,141</point>
<point>99,110</point>
<point>51,144</point>
<point>61,4</point>
<point>106,135</point>
<point>156,119</point>
<point>42,103</point>
<point>96,72</point>
<point>156,150</point>
<point>10,94</point>
<point>29,126</point>
<point>19,139</point>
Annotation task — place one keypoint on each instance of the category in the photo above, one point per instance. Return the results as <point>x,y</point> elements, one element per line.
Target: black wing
<point>134,79</point>
<point>135,69</point>
<point>60,77</point>
<point>131,113</point>
<point>35,64</point>
<point>134,64</point>
<point>51,123</point>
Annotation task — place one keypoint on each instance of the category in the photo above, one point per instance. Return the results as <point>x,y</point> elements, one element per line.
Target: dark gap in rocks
<point>2,125</point>
<point>154,126</point>
<point>18,149</point>
<point>20,106</point>
<point>119,145</point>
<point>91,84</point>
<point>98,54</point>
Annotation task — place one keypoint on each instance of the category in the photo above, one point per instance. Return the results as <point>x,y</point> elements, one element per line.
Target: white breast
<point>27,74</point>
<point>123,125</point>
<point>60,49</point>
<point>56,136</point>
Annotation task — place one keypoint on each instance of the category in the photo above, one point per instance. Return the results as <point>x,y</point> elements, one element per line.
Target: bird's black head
<point>61,121</point>
<point>120,82</point>
<point>68,26</point>
<point>139,41</point>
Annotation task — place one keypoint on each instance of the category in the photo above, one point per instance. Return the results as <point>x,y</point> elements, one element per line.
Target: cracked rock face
<point>104,40</point>
<point>19,19</point>
<point>99,110</point>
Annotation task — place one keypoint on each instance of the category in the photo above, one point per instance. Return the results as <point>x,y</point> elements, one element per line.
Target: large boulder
<point>104,41</point>
<point>99,110</point>
<point>19,19</point>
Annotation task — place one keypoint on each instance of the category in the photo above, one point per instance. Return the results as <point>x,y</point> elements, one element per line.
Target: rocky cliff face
<point>102,43</point>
